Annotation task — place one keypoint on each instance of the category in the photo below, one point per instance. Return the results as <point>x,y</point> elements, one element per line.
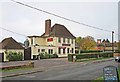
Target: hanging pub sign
<point>49,39</point>
<point>110,74</point>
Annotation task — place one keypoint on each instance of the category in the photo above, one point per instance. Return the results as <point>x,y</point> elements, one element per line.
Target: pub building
<point>56,40</point>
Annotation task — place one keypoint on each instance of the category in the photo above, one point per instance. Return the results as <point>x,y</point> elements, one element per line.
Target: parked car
<point>117,59</point>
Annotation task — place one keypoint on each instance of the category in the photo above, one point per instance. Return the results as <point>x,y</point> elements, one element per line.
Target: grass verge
<point>90,59</point>
<point>13,70</point>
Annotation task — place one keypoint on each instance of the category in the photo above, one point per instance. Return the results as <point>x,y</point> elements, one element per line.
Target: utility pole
<point>112,41</point>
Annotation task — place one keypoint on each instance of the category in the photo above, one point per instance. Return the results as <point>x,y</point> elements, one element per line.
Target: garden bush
<point>91,55</point>
<point>90,51</point>
<point>47,56</point>
<point>14,56</point>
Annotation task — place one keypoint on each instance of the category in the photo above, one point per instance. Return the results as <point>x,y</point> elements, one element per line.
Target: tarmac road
<point>69,72</point>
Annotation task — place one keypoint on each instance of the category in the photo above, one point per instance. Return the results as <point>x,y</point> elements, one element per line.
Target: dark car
<point>117,59</point>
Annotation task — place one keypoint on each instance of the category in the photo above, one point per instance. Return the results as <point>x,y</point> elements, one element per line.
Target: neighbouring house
<point>56,40</point>
<point>7,45</point>
<point>105,46</point>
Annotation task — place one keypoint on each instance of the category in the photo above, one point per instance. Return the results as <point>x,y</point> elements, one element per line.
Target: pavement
<point>43,65</point>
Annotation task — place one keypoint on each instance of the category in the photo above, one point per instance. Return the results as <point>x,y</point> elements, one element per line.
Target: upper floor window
<point>38,50</point>
<point>63,40</point>
<point>31,40</point>
<point>68,40</point>
<point>72,41</point>
<point>59,40</point>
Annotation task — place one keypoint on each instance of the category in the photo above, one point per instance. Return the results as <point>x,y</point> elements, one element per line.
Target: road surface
<point>70,72</point>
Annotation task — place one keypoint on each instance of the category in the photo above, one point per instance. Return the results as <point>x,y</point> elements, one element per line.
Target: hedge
<point>90,55</point>
<point>94,55</point>
<point>90,51</point>
<point>47,56</point>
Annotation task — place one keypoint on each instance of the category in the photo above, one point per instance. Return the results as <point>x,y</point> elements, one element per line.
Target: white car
<point>117,59</point>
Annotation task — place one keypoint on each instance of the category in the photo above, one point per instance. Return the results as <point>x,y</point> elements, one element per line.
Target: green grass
<point>90,59</point>
<point>12,70</point>
<point>100,79</point>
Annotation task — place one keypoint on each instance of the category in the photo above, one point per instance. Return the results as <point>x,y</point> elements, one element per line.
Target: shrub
<point>91,55</point>
<point>47,56</point>
<point>55,55</point>
<point>14,56</point>
<point>41,55</point>
<point>90,51</point>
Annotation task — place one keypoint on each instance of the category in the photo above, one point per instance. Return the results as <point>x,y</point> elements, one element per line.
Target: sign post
<point>110,74</point>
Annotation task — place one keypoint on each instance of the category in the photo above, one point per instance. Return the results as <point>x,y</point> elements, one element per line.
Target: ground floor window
<point>63,50</point>
<point>59,50</point>
<point>50,51</point>
<point>72,50</point>
<point>42,50</point>
<point>68,49</point>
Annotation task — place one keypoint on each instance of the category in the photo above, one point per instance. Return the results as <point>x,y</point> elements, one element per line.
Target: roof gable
<point>10,43</point>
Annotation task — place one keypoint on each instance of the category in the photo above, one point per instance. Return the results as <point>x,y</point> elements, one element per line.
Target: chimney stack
<point>47,27</point>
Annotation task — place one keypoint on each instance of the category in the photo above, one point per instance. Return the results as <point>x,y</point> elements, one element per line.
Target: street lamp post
<point>112,41</point>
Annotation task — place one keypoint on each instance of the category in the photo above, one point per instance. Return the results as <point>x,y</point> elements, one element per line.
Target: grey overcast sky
<point>99,13</point>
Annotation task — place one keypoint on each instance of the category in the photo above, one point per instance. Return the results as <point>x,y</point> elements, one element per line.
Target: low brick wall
<point>29,65</point>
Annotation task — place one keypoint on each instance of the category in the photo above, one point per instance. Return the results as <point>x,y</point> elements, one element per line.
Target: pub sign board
<point>110,74</point>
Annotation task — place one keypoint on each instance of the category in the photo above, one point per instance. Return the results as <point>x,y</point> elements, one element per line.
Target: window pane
<point>63,50</point>
<point>72,50</point>
<point>68,50</point>
<point>59,40</point>
<point>68,40</point>
<point>38,50</point>
<point>31,40</point>
<point>51,51</point>
<point>63,40</point>
<point>42,50</point>
<point>72,41</point>
<point>59,50</point>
